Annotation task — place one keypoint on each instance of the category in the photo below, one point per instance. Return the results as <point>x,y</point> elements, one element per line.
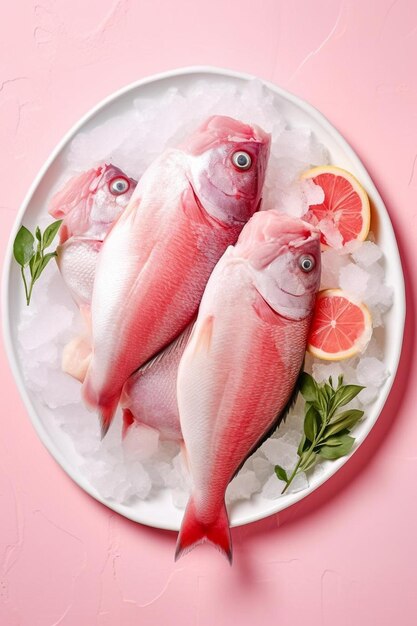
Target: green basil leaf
<point>322,402</point>
<point>281,473</point>
<point>50,232</point>
<point>345,394</point>
<point>328,390</point>
<point>46,260</point>
<point>308,387</point>
<point>308,460</point>
<point>333,452</point>
<point>311,423</point>
<point>34,265</point>
<point>301,445</point>
<point>346,420</point>
<point>23,246</point>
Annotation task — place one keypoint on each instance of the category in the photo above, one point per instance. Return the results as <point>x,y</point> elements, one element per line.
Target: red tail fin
<point>106,407</point>
<point>128,420</point>
<point>194,532</point>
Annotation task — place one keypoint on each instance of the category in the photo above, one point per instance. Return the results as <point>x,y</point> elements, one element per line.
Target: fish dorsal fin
<point>178,344</point>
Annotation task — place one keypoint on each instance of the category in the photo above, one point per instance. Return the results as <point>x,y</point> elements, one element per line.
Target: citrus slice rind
<point>346,204</point>
<point>341,327</point>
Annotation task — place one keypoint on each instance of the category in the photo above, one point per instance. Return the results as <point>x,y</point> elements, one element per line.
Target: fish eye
<point>119,185</point>
<point>307,263</point>
<point>242,160</point>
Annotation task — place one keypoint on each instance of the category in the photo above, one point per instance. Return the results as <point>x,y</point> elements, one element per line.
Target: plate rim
<point>279,504</point>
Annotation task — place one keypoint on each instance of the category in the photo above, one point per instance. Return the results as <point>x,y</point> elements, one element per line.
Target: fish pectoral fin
<point>204,334</point>
<point>264,311</point>
<point>193,532</point>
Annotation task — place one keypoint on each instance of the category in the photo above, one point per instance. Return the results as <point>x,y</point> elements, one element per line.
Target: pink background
<point>345,555</point>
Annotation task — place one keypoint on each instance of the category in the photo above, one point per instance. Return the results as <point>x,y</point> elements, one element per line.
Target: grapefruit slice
<point>345,214</point>
<point>341,328</point>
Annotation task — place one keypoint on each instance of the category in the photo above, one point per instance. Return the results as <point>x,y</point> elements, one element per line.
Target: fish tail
<point>193,532</point>
<point>128,420</point>
<point>105,406</point>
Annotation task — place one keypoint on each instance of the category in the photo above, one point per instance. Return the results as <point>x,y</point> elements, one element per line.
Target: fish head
<point>90,202</point>
<point>283,253</point>
<point>228,166</point>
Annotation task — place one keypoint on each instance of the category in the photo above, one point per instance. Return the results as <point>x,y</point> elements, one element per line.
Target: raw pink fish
<point>189,205</point>
<point>150,395</point>
<point>240,366</point>
<point>89,204</point>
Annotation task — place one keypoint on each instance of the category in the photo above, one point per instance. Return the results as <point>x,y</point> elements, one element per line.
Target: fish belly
<point>151,393</point>
<point>77,260</point>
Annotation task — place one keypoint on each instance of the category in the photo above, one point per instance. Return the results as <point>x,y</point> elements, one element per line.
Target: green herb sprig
<point>326,430</point>
<point>34,258</point>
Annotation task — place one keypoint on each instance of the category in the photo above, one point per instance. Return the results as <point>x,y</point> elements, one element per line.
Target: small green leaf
<point>281,473</point>
<point>333,452</point>
<point>328,390</point>
<point>344,395</point>
<point>301,445</point>
<point>311,423</point>
<point>46,260</point>
<point>346,420</point>
<point>38,234</point>
<point>308,387</point>
<point>34,264</point>
<point>322,402</point>
<point>331,441</point>
<point>23,246</point>
<point>50,232</point>
<point>308,459</point>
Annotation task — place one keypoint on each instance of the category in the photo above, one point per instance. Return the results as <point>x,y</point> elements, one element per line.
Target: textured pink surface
<point>345,555</point>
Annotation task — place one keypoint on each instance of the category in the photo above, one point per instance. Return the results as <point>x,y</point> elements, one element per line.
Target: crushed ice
<point>144,464</point>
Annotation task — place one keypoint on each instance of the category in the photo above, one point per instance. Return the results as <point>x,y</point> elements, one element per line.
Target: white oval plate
<point>159,511</point>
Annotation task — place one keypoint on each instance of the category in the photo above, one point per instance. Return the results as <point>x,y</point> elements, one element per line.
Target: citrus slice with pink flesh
<point>341,327</point>
<point>345,214</point>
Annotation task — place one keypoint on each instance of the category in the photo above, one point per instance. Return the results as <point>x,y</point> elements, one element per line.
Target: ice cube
<point>323,371</point>
<point>139,479</point>
<point>371,372</point>
<point>273,487</point>
<point>368,395</point>
<point>313,193</point>
<point>242,486</point>
<point>299,483</point>
<point>354,280</point>
<point>48,327</point>
<point>367,253</point>
<point>140,442</point>
<point>331,263</point>
<point>262,468</point>
<point>280,452</point>
<point>331,233</point>
<point>60,390</point>
<point>180,498</point>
